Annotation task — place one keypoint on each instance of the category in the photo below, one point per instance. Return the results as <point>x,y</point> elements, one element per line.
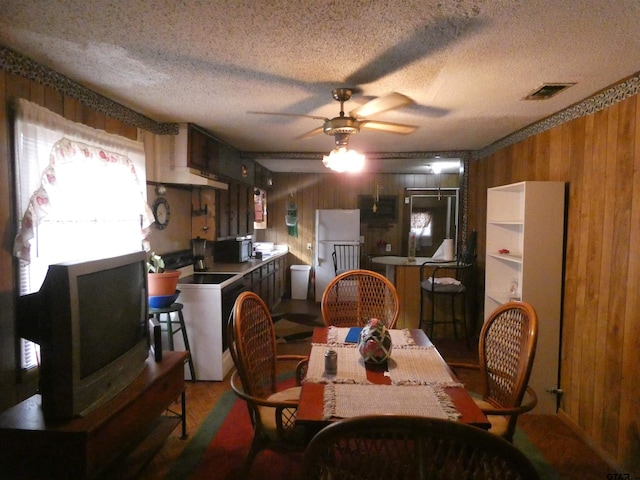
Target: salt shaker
<point>331,362</point>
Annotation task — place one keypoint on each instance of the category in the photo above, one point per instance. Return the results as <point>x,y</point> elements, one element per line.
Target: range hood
<point>166,161</point>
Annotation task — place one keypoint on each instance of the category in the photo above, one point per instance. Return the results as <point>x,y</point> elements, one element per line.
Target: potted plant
<point>160,281</point>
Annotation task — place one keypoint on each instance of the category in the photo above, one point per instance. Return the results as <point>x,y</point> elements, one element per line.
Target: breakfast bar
<point>405,275</point>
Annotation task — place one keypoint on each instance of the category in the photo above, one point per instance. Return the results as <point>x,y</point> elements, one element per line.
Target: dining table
<point>414,380</point>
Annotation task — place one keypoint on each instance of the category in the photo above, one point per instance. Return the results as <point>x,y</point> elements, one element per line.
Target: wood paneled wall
<point>331,190</point>
<point>599,158</point>
<point>12,86</point>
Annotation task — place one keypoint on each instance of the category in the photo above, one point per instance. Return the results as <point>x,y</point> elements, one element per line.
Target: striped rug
<point>220,445</point>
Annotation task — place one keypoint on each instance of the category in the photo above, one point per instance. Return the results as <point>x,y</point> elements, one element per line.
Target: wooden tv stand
<point>113,441</point>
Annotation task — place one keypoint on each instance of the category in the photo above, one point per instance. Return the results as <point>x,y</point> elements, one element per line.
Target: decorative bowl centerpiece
<point>375,342</point>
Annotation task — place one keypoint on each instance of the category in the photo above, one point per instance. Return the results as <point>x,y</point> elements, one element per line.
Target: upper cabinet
<point>203,151</point>
<point>263,177</point>
<point>234,211</point>
<point>233,167</point>
<point>216,159</point>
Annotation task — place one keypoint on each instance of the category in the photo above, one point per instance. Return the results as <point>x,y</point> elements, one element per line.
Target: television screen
<point>111,300</point>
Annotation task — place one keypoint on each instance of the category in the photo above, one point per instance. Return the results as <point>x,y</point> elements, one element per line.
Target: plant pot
<point>164,283</point>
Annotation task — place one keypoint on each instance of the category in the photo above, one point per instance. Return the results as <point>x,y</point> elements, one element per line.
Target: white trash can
<point>299,281</point>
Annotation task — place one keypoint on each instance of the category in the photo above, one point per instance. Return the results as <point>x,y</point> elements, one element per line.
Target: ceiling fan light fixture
<point>341,159</point>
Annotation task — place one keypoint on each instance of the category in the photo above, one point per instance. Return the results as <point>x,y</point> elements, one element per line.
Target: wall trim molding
<point>599,101</point>
<point>22,66</point>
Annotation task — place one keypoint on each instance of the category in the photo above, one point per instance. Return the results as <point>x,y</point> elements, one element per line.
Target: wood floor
<point>571,457</point>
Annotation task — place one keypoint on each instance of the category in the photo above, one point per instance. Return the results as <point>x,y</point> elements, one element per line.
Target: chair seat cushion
<point>441,288</point>
<point>268,414</point>
<point>499,423</point>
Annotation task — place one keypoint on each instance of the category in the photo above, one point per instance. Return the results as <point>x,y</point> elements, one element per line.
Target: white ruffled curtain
<point>80,193</point>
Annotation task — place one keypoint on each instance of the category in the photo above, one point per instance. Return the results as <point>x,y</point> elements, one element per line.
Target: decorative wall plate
<point>161,213</point>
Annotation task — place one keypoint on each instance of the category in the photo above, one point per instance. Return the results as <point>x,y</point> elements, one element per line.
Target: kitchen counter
<point>245,267</point>
<point>391,262</point>
<point>208,298</point>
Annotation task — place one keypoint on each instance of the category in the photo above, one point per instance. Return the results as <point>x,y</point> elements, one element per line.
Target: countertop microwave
<point>232,251</point>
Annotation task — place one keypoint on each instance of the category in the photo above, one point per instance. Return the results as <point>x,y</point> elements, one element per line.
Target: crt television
<point>90,319</point>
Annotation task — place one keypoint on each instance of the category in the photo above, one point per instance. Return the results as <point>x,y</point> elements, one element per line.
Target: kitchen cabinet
<point>233,167</point>
<point>203,151</point>
<point>524,260</point>
<point>216,159</point>
<point>268,281</point>
<point>263,177</point>
<point>234,211</point>
<point>222,214</point>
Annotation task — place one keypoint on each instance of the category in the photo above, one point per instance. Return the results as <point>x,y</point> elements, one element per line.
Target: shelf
<point>502,297</point>
<point>505,222</point>
<point>534,261</point>
<point>507,257</point>
<point>498,297</point>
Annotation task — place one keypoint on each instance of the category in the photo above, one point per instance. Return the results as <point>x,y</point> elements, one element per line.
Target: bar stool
<point>435,283</point>
<point>169,323</point>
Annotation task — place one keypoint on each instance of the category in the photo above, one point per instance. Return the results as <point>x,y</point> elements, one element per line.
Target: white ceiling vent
<point>547,90</point>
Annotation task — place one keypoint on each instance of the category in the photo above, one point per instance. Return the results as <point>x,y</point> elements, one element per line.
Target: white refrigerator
<point>332,226</point>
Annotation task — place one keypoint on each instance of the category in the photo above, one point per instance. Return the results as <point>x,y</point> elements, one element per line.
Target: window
<point>80,193</point>
<point>421,225</point>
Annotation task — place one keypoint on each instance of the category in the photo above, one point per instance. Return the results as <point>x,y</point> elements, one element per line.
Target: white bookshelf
<point>527,219</point>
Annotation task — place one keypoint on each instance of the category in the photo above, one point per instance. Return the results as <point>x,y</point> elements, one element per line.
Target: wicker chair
<point>352,298</point>
<point>252,343</point>
<point>390,447</point>
<point>462,272</point>
<point>506,352</point>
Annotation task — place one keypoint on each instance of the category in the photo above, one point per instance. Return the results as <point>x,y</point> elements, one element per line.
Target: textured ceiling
<point>467,65</point>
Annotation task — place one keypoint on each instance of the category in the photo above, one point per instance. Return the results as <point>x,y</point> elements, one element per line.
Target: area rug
<point>220,445</point>
<point>295,327</point>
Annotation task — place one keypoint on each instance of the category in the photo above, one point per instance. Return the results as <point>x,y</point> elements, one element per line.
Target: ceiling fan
<point>343,126</point>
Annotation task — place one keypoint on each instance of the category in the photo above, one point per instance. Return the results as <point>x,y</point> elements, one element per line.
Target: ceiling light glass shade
<point>341,159</point>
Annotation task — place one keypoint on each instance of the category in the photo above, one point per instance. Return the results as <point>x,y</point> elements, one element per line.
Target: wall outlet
<point>388,247</point>
<point>308,246</point>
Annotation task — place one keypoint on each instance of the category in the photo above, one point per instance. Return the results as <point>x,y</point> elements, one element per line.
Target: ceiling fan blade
<point>388,127</point>
<point>311,133</point>
<point>315,117</point>
<point>381,104</point>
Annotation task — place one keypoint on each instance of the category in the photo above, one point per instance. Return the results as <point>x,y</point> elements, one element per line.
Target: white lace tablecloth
<point>355,400</point>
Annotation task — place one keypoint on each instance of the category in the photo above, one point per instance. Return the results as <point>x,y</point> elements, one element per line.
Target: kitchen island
<point>405,275</point>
